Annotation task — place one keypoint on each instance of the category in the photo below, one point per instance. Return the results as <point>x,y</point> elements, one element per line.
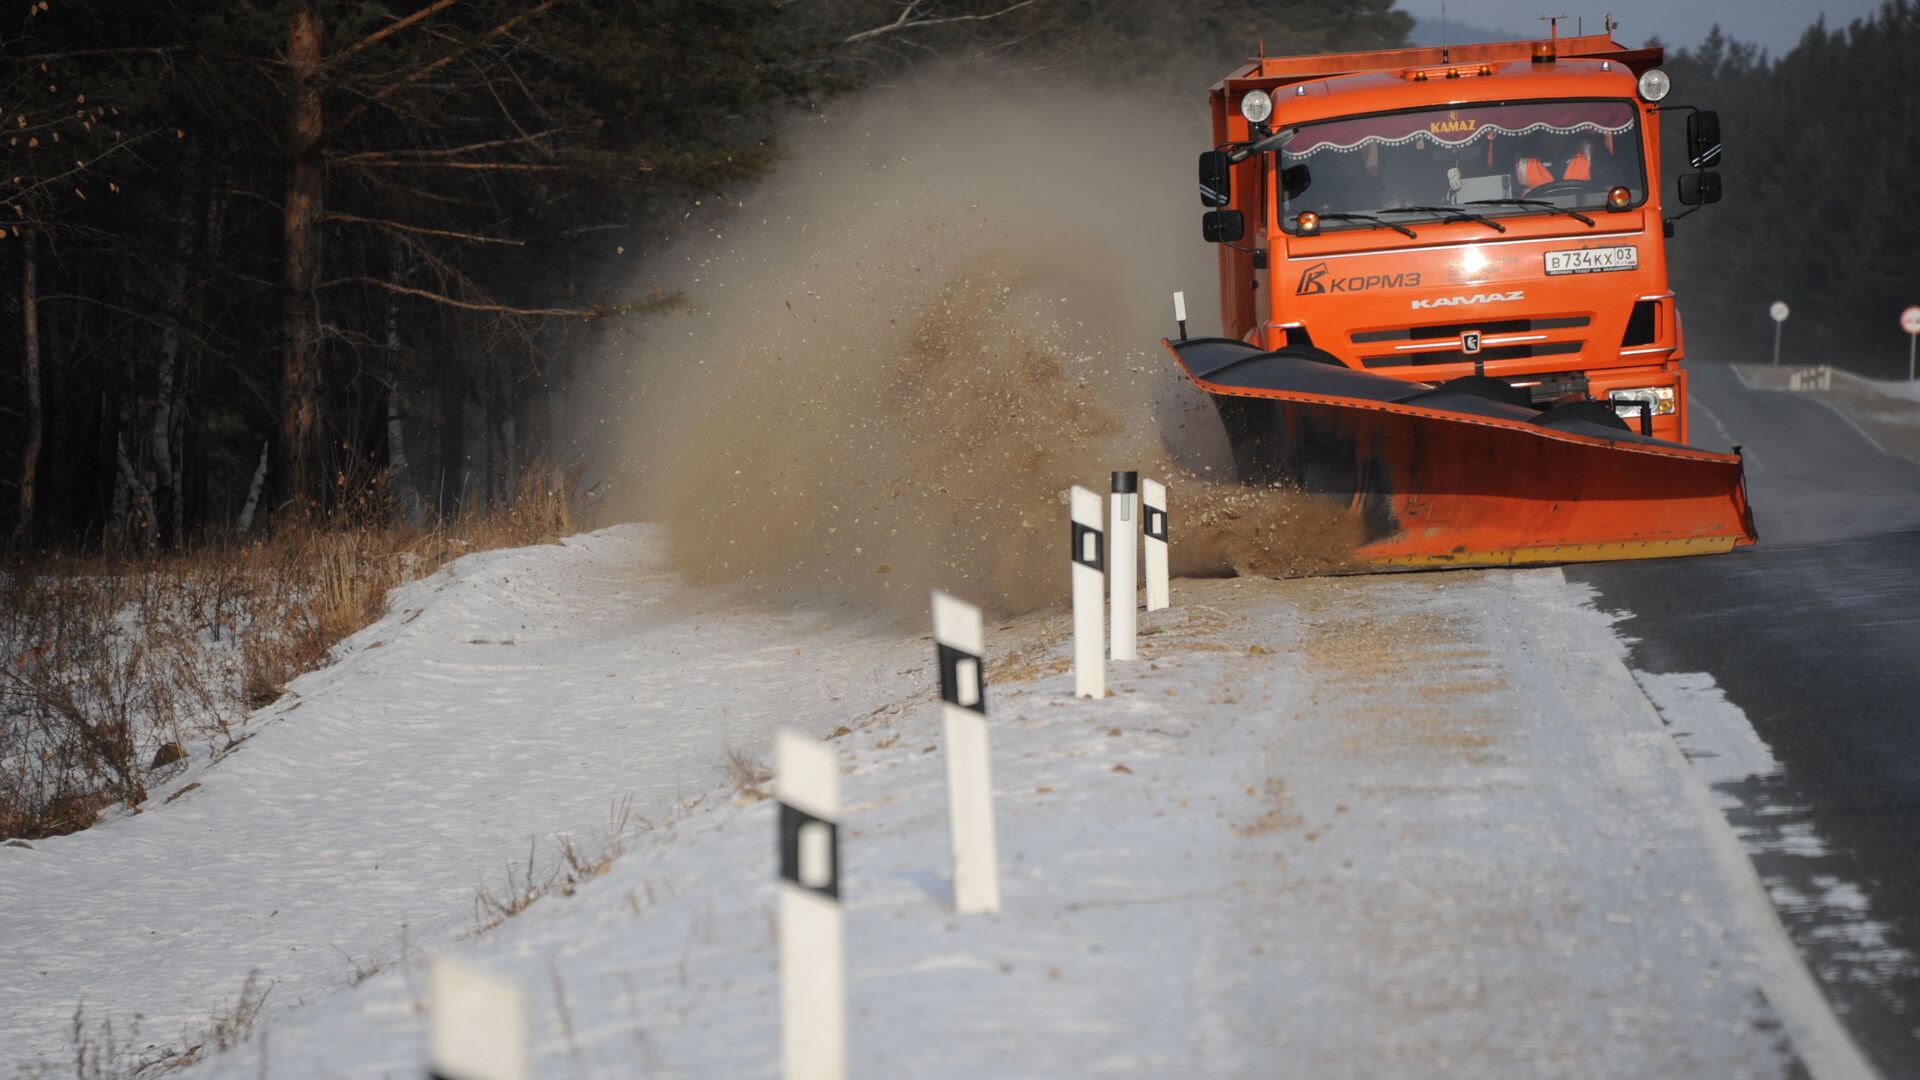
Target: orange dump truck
<point>1444,296</point>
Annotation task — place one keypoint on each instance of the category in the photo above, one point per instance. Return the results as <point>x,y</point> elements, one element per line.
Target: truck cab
<point>1428,214</point>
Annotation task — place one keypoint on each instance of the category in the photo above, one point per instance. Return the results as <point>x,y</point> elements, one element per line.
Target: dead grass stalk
<point>113,665</point>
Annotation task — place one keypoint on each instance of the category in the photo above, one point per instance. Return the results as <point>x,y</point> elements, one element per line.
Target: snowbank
<point>1386,826</point>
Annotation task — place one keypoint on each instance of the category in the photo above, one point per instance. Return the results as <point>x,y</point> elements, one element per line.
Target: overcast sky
<point>1773,24</point>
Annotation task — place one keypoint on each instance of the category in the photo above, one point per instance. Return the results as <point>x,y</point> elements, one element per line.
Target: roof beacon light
<point>1618,198</point>
<point>1257,105</point>
<point>1654,84</point>
<point>1543,52</point>
<point>1308,223</point>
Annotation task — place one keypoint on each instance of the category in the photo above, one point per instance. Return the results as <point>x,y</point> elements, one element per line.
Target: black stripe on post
<point>1156,523</point>
<point>1098,560</point>
<point>951,680</point>
<point>793,821</point>
<point>1126,483</point>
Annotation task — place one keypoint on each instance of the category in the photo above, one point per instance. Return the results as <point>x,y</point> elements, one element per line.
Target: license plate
<point>1593,260</point>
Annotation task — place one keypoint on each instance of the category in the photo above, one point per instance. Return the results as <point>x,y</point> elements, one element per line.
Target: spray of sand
<point>940,315</point>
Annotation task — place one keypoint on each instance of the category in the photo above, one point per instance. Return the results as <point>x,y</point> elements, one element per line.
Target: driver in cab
<point>1559,158</point>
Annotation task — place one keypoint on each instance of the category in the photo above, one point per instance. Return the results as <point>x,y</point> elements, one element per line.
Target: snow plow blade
<point>1464,473</point>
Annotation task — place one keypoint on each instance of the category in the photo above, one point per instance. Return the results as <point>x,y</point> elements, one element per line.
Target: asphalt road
<point>1815,635</point>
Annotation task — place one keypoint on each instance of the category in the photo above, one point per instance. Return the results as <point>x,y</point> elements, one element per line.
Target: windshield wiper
<point>1542,203</point>
<point>1377,220</point>
<point>1454,214</point>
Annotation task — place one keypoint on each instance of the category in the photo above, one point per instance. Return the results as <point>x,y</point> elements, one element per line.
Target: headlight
<point>1661,398</point>
<point>1256,106</point>
<point>1654,85</point>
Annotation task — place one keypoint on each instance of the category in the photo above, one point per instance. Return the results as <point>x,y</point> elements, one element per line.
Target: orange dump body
<point>1508,309</point>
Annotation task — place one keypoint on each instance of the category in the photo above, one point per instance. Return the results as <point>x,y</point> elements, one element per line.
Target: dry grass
<point>570,867</point>
<point>112,665</point>
<point>99,1052</point>
<point>746,775</point>
<point>231,1026</point>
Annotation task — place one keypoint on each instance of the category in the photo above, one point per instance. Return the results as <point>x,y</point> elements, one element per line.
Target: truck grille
<point>1492,328</point>
<point>1487,355</point>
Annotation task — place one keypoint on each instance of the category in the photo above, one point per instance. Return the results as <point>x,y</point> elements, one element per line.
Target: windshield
<point>1566,154</point>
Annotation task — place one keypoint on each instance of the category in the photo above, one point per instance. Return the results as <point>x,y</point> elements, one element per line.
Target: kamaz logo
<point>1476,298</point>
<point>1314,281</point>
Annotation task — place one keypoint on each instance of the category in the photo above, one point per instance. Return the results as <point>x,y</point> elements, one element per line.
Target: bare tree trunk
<point>30,317</point>
<point>166,467</point>
<point>253,492</point>
<point>560,433</point>
<point>509,436</point>
<point>452,482</point>
<point>190,443</point>
<point>399,471</point>
<point>131,426</point>
<point>300,358</point>
<point>114,535</point>
<point>490,431</point>
<point>136,488</point>
<point>498,421</point>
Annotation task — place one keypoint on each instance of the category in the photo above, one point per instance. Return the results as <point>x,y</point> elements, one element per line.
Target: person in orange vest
<point>1555,162</point>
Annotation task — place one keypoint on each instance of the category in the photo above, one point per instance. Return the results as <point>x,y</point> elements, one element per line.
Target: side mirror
<point>1216,178</point>
<point>1703,140</point>
<point>1700,188</point>
<point>1223,226</point>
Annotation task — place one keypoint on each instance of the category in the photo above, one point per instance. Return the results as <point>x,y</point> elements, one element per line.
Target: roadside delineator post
<point>1123,538</point>
<point>1153,523</point>
<point>1089,568</point>
<point>1180,313</point>
<point>961,644</point>
<point>477,1023</point>
<point>813,1026</point>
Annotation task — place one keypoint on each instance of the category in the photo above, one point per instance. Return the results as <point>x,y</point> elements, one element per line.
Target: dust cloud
<point>942,312</point>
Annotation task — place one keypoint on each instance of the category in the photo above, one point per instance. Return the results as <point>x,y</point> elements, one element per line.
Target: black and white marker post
<point>961,644</point>
<point>1180,313</point>
<point>478,1024</point>
<point>1089,570</point>
<point>1153,522</point>
<point>813,1025</point>
<point>1123,575</point>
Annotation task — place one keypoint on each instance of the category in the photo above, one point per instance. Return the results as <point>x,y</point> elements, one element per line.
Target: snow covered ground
<point>1411,825</point>
<point>1904,390</point>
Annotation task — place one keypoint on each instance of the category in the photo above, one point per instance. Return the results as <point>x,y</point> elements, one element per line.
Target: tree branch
<point>422,230</point>
<point>906,21</point>
<point>403,154</point>
<point>393,88</point>
<point>150,50</point>
<point>388,31</point>
<point>466,305</point>
<point>366,162</point>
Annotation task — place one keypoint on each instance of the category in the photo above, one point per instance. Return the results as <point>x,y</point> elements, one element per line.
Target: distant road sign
<point>1778,311</point>
<point>1910,320</point>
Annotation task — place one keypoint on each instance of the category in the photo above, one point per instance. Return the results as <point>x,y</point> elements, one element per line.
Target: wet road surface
<point>1815,635</point>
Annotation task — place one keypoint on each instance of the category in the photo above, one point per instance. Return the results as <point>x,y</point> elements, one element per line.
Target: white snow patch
<point>1394,826</point>
<point>1831,917</point>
